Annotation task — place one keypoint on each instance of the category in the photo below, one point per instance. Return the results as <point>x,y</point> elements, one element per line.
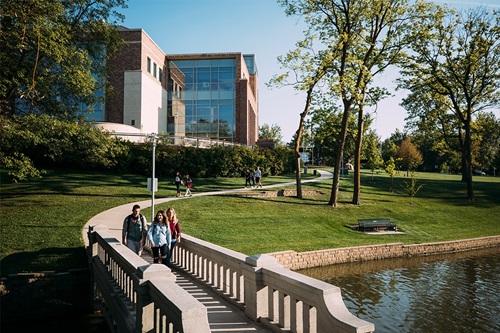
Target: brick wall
<point>295,261</point>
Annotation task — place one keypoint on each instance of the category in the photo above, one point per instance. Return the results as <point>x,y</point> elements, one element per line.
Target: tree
<point>53,54</point>
<point>372,153</point>
<point>390,168</point>
<point>487,128</point>
<point>453,73</point>
<point>360,39</point>
<point>272,132</point>
<point>308,71</point>
<point>409,155</point>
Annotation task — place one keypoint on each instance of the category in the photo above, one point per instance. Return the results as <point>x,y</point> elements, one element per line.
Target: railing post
<point>144,306</point>
<point>256,293</point>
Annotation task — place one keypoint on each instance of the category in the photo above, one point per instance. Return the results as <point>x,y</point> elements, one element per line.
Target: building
<point>204,96</point>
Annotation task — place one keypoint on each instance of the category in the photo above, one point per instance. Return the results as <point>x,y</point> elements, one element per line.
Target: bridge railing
<point>214,265</point>
<point>135,296</point>
<point>281,299</point>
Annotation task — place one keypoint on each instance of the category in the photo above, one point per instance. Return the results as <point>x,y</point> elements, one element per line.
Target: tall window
<point>209,97</point>
<point>149,65</point>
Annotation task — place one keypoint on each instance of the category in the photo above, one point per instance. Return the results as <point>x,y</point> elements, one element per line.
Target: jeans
<point>170,252</point>
<point>157,251</point>
<point>136,247</point>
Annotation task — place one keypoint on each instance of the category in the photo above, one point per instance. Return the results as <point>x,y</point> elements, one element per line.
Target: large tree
<point>453,73</point>
<point>355,41</point>
<point>53,53</point>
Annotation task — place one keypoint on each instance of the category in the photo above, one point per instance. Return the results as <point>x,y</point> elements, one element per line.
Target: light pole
<point>154,137</point>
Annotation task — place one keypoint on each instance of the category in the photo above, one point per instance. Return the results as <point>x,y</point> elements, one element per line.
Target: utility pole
<point>154,182</point>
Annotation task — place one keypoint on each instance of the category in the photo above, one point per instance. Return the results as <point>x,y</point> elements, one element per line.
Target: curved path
<point>113,218</point>
<point>223,317</point>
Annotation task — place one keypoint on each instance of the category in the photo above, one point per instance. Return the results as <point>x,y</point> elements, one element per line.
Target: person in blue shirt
<point>159,237</point>
<point>258,177</point>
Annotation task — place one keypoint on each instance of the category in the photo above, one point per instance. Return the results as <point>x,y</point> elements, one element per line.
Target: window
<point>149,65</point>
<point>154,69</point>
<point>160,73</point>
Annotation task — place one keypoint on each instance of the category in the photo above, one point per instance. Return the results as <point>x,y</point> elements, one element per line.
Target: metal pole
<point>154,137</point>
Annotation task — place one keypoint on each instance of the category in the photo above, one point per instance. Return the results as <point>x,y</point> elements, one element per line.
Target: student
<point>159,237</point>
<point>258,177</point>
<point>177,182</point>
<point>175,231</point>
<point>248,178</point>
<point>134,230</point>
<point>252,176</point>
<point>189,184</point>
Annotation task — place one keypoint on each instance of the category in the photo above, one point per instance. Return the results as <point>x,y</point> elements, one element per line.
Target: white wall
<point>145,101</point>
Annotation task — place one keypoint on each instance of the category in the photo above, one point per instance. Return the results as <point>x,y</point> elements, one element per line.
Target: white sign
<point>155,185</point>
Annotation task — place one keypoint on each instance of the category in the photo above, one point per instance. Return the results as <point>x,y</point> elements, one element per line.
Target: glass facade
<point>208,95</point>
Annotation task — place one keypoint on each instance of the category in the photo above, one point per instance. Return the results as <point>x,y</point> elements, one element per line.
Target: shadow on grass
<point>58,259</point>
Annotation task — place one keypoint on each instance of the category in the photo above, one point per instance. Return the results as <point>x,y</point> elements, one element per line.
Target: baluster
<point>284,310</point>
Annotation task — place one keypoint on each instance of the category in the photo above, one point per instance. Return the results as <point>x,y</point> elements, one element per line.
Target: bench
<point>376,225</point>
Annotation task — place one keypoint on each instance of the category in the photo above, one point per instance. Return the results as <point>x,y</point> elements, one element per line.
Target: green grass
<point>42,219</point>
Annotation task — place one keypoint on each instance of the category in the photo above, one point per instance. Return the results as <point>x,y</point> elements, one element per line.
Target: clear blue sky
<point>257,27</point>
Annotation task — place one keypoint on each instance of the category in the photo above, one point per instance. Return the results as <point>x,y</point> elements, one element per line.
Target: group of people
<point>187,181</point>
<point>253,178</point>
<point>163,234</point>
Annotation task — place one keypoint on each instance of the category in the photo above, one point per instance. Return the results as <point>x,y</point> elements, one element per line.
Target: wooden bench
<point>376,225</point>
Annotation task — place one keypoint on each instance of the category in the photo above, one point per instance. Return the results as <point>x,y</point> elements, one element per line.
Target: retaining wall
<point>295,260</point>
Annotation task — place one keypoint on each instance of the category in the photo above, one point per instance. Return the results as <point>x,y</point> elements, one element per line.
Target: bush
<point>34,142</point>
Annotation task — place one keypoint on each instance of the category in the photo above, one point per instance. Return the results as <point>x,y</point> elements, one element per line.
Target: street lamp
<point>154,182</point>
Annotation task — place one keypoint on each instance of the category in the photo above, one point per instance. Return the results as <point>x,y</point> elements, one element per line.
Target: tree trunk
<point>468,161</point>
<point>357,162</point>
<point>338,160</point>
<point>298,137</point>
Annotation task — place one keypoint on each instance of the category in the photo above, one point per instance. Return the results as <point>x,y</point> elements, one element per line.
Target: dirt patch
<point>280,193</point>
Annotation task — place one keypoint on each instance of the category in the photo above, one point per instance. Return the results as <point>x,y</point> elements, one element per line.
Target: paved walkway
<point>223,317</point>
<point>113,218</point>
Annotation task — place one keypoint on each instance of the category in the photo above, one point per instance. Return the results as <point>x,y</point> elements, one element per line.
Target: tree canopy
<point>453,73</point>
<point>52,54</point>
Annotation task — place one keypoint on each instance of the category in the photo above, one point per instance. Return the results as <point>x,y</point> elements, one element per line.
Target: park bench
<point>376,225</point>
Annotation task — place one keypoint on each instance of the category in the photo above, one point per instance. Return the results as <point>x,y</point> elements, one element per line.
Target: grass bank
<point>42,219</point>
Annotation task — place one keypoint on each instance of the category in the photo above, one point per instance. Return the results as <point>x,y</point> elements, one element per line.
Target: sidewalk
<point>113,218</point>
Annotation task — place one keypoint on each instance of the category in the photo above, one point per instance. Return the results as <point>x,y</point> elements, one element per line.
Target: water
<point>443,293</point>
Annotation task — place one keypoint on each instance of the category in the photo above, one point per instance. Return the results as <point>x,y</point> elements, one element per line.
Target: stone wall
<point>295,261</point>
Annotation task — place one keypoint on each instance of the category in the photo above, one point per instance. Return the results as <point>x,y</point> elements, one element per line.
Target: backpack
<point>141,217</point>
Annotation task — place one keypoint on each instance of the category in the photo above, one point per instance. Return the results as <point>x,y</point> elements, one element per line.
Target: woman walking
<point>160,237</point>
<point>175,231</point>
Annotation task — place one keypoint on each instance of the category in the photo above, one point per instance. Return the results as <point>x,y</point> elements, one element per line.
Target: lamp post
<point>154,137</point>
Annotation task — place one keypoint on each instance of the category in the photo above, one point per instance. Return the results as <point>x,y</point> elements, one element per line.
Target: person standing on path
<point>175,231</point>
<point>258,177</point>
<point>178,182</point>
<point>189,184</point>
<point>159,237</point>
<point>134,230</point>
<point>248,178</point>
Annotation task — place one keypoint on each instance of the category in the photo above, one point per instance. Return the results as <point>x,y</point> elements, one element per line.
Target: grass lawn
<point>42,219</point>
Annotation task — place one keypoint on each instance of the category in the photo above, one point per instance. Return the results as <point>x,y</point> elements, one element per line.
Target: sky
<point>258,27</point>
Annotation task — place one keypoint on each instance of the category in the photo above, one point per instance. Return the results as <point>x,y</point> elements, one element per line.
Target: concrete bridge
<point>210,288</point>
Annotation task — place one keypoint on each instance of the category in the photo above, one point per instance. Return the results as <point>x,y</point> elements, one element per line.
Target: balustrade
<point>140,297</point>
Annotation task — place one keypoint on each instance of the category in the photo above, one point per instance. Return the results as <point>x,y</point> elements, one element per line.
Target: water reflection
<point>457,292</point>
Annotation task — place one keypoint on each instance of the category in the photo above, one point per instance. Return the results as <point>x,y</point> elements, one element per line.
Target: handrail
<point>305,304</point>
<point>136,296</point>
<point>214,265</point>
<point>281,299</point>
